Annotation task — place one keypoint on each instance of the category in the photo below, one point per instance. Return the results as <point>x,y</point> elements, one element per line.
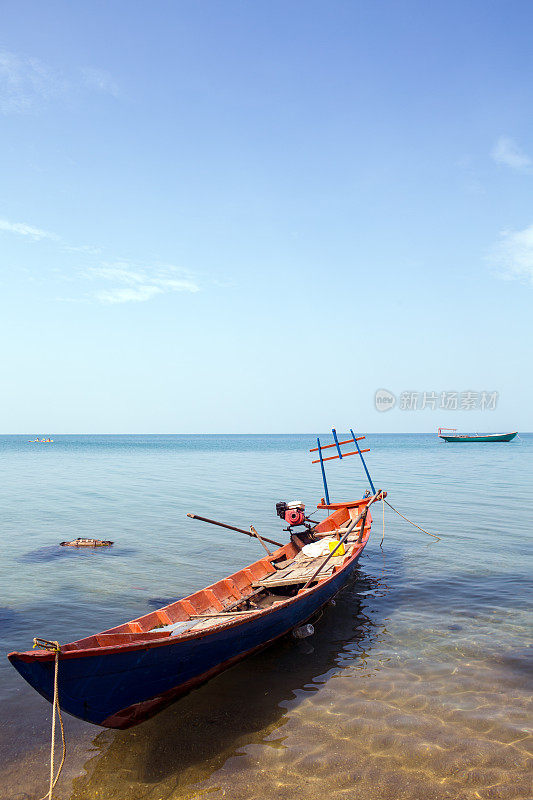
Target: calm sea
<point>413,686</point>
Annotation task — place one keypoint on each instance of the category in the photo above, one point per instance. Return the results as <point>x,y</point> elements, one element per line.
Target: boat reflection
<point>248,704</point>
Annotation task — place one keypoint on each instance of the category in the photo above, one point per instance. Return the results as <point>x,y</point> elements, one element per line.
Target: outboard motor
<point>293,513</point>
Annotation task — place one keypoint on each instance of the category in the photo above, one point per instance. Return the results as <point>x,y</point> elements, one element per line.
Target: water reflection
<point>248,704</point>
<point>8,619</point>
<point>159,602</point>
<point>54,552</point>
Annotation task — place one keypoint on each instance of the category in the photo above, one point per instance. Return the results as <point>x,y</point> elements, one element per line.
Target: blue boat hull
<point>119,687</point>
<point>489,437</point>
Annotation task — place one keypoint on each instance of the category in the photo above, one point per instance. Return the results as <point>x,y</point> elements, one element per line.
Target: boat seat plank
<point>210,620</point>
<point>300,573</point>
<point>188,625</point>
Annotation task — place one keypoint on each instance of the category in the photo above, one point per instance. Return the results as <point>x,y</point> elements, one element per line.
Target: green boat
<point>475,437</point>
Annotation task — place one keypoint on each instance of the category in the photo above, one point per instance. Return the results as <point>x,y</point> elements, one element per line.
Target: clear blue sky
<point>250,216</point>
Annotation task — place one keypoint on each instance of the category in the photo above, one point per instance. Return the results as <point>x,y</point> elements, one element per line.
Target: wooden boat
<point>126,674</point>
<point>87,543</point>
<point>475,437</point>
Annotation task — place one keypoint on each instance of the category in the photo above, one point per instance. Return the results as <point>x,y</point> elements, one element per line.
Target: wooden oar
<point>253,530</point>
<point>233,528</point>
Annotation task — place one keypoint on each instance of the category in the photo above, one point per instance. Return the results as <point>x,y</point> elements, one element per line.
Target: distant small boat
<point>41,441</point>
<point>475,437</point>
<point>87,543</point>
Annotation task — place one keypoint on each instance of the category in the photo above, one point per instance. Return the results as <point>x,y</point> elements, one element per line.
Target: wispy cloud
<point>133,283</point>
<point>21,229</point>
<point>119,281</point>
<point>507,152</point>
<point>26,83</point>
<point>24,80</point>
<point>135,295</point>
<point>513,255</point>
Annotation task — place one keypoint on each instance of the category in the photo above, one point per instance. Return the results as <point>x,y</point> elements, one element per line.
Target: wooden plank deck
<point>299,571</point>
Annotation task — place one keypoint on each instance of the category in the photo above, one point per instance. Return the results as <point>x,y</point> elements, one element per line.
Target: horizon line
<point>224,433</point>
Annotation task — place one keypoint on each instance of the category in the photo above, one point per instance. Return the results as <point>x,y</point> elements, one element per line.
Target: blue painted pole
<point>334,432</point>
<point>323,470</point>
<point>363,460</point>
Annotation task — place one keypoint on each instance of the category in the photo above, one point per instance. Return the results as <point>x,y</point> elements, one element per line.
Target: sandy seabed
<point>387,713</point>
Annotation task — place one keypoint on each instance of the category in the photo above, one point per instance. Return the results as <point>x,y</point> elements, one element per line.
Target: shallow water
<point>415,685</point>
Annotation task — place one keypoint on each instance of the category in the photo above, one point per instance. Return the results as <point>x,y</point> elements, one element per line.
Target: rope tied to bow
<point>383,531</point>
<point>438,538</point>
<point>54,647</point>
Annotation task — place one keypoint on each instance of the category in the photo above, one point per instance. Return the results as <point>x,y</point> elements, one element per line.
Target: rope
<point>383,533</point>
<point>44,644</point>
<point>438,538</point>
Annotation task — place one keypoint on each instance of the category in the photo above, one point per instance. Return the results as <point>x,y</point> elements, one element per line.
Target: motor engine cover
<point>293,513</point>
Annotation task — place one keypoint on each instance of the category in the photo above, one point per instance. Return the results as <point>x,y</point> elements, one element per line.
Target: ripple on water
<point>409,729</point>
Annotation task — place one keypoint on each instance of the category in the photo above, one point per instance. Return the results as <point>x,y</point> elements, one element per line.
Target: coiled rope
<point>438,538</point>
<point>44,644</point>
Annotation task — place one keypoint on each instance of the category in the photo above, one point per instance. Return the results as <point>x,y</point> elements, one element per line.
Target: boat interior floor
<point>289,577</point>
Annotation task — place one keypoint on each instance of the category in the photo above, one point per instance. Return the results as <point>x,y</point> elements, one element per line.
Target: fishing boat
<point>453,436</point>
<point>123,675</point>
